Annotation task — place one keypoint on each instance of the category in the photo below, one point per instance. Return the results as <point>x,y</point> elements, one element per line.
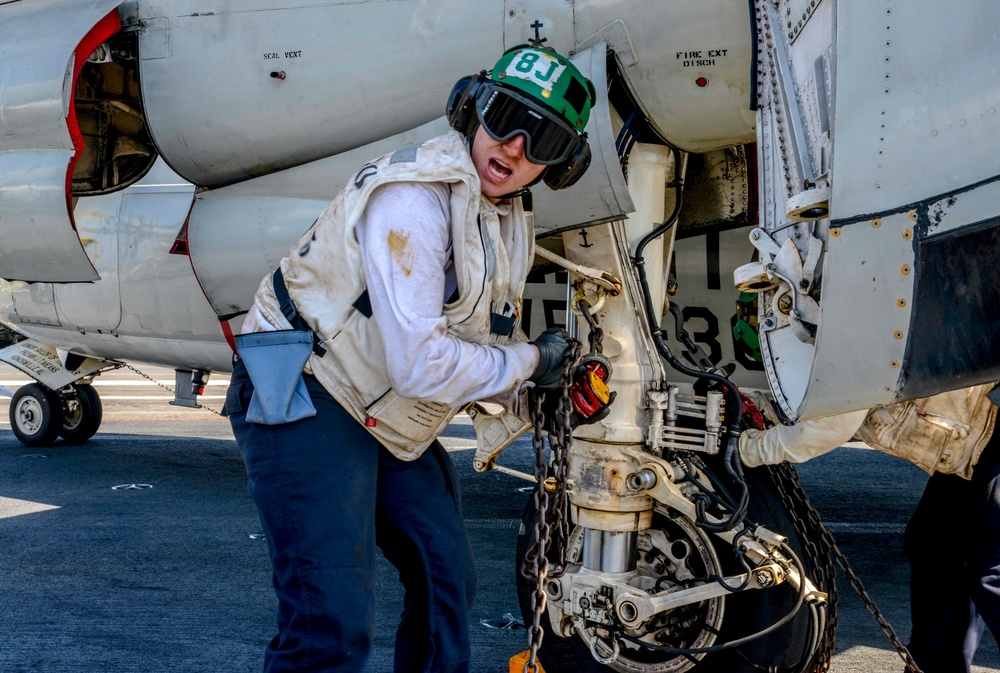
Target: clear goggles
<point>504,114</point>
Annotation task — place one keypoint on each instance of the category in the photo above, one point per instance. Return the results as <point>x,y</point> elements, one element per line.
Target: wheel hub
<point>29,416</point>
<point>671,554</point>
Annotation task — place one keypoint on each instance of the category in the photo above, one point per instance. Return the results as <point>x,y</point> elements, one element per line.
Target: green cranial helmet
<point>548,78</point>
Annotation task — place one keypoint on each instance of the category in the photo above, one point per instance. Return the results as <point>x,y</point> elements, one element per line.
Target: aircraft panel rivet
<point>901,303</point>
<point>905,269</point>
<point>907,234</point>
<point>877,222</point>
<point>894,364</point>
<point>912,215</point>
<point>898,334</point>
<point>835,232</point>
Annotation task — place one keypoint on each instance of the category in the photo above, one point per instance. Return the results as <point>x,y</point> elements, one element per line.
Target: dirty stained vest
<point>325,278</point>
<point>944,433</point>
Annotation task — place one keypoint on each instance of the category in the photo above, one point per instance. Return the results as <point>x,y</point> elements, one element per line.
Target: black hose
<point>639,263</point>
<point>818,613</point>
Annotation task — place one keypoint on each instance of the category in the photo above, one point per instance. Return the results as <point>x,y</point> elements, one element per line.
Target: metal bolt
<point>764,578</point>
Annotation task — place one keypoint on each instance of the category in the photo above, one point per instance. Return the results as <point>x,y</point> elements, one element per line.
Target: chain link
<point>167,388</point>
<point>551,499</point>
<point>821,548</point>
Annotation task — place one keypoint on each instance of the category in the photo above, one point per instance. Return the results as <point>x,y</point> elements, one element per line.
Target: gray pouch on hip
<point>274,361</point>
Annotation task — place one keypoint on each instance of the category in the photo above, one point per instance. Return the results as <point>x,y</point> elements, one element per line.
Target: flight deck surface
<point>141,551</point>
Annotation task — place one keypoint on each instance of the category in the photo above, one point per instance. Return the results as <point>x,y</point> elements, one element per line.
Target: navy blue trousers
<point>328,493</point>
<point>953,544</point>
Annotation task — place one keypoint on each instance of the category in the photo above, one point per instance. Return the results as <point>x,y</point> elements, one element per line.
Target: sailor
<point>411,283</point>
<point>953,538</point>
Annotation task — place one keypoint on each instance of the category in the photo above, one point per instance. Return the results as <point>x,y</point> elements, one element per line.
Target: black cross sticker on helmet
<point>537,41</point>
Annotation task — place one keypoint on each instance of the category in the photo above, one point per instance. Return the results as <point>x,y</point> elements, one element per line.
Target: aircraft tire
<point>744,614</point>
<point>36,415</point>
<point>80,426</point>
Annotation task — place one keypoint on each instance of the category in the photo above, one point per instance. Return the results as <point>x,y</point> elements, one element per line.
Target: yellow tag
<point>599,387</point>
<point>518,661</point>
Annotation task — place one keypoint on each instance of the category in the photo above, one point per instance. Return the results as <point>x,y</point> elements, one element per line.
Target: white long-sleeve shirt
<point>409,270</point>
<point>800,442</point>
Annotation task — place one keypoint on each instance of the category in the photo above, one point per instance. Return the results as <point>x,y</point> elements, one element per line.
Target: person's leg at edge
<point>313,482</point>
<point>984,538</point>
<point>421,532</point>
<point>941,610</point>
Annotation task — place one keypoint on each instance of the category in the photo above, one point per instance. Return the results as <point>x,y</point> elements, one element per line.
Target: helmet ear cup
<point>461,108</point>
<point>568,172</point>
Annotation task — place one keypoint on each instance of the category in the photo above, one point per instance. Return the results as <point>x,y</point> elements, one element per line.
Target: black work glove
<point>552,352</point>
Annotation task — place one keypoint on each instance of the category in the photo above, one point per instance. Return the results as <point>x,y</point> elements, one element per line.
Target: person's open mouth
<point>499,170</point>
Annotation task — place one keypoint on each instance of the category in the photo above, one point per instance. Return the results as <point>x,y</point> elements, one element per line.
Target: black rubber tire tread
<point>93,414</point>
<point>745,614</point>
<point>52,415</point>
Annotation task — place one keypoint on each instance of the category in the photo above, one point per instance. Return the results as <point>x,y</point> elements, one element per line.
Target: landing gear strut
<point>674,553</point>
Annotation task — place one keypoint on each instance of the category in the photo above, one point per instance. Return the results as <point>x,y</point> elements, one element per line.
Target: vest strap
<point>363,304</point>
<point>290,312</point>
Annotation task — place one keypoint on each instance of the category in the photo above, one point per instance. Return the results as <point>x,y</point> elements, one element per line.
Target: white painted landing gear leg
<point>642,589</point>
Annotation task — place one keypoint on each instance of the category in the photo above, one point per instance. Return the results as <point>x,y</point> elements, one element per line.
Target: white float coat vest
<point>325,278</point>
<point>943,433</point>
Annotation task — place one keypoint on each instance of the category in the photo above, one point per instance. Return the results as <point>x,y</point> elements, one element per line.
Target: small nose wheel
<point>36,415</point>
